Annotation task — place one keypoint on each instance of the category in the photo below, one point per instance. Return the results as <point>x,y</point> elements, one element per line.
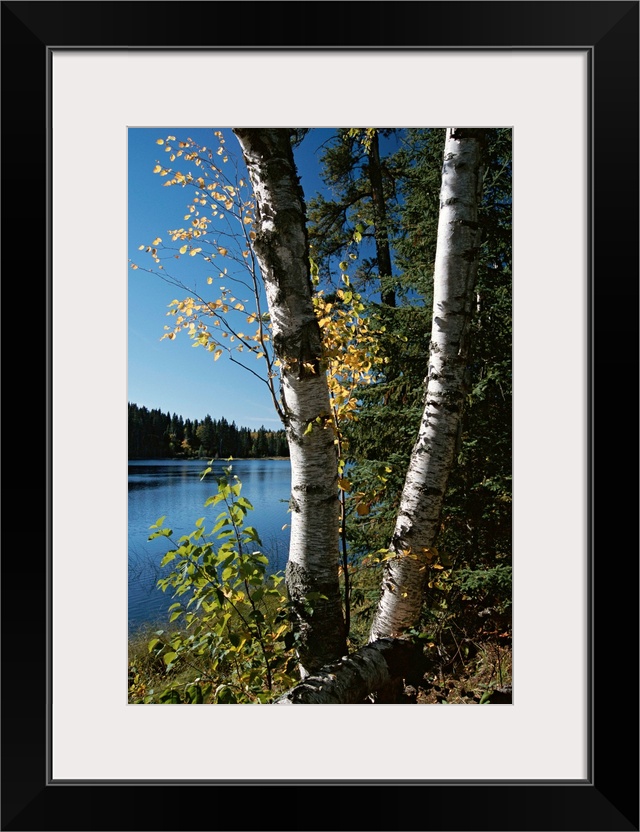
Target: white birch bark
<point>281,248</point>
<point>351,680</point>
<point>418,519</point>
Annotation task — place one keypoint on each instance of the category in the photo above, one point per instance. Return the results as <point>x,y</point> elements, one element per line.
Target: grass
<point>483,678</point>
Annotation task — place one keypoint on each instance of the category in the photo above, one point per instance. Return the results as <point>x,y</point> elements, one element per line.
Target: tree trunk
<point>375,667</point>
<point>418,519</point>
<point>282,252</point>
<point>383,252</point>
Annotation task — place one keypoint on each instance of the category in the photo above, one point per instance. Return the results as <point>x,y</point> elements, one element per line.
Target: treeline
<point>157,435</point>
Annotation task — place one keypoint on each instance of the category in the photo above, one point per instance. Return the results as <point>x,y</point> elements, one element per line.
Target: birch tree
<point>281,247</point>
<point>412,545</point>
<point>388,656</point>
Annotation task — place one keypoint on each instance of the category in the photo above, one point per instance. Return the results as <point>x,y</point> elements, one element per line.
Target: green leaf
<point>170,697</point>
<point>194,694</point>
<point>223,522</point>
<point>169,657</point>
<point>250,533</point>
<point>212,501</point>
<point>228,533</point>
<point>225,696</point>
<point>168,558</point>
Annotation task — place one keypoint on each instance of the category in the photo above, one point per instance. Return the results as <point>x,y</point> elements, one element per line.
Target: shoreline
<point>208,460</point>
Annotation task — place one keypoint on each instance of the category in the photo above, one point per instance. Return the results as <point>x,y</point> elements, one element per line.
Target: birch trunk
<point>350,681</point>
<point>418,519</point>
<point>282,251</point>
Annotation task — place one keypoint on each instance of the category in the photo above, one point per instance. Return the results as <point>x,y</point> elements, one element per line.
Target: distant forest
<point>157,435</point>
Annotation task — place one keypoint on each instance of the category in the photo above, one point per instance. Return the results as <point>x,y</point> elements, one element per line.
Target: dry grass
<point>485,677</point>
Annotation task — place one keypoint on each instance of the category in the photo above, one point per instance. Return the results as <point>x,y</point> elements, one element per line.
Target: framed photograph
<point>564,77</point>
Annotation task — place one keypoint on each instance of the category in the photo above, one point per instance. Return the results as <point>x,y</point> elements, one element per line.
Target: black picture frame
<point>608,799</point>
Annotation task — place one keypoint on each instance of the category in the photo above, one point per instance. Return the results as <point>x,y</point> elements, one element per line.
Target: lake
<point>173,488</point>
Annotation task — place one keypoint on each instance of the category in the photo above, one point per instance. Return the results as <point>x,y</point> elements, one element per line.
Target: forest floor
<point>482,678</point>
<point>478,671</point>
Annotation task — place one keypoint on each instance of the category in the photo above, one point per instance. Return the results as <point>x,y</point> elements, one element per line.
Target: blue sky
<point>173,375</point>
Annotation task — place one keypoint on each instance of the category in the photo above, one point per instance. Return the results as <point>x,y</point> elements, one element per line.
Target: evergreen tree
<point>363,193</point>
<point>261,443</point>
<point>155,435</point>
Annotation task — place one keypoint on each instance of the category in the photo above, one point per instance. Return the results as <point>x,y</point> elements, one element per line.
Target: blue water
<point>173,488</point>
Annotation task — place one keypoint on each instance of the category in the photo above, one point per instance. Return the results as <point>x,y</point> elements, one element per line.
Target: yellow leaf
<point>209,280</point>
<point>156,241</point>
<point>159,141</point>
<point>222,251</point>
<point>183,249</point>
<point>217,355</point>
<point>157,169</point>
<point>344,484</point>
<point>362,509</point>
<point>140,248</point>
